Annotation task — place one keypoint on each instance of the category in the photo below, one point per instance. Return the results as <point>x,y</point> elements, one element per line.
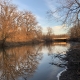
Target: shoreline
<point>72,68</point>
<point>16,44</point>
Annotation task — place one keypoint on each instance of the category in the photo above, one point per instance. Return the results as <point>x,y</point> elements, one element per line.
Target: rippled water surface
<point>40,62</point>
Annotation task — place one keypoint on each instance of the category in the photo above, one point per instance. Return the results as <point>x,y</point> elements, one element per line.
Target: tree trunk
<point>3,42</point>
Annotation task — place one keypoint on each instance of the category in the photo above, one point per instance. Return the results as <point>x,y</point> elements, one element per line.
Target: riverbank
<point>15,44</point>
<point>74,39</point>
<point>73,65</point>
<point>32,42</point>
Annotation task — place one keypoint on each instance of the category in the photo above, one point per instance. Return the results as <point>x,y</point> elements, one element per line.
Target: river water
<point>36,62</point>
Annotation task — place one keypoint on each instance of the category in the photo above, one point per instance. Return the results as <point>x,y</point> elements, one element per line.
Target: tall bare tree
<point>68,11</point>
<point>14,23</point>
<point>7,18</point>
<point>30,23</point>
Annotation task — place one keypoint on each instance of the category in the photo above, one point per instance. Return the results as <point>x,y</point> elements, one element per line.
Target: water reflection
<point>19,62</point>
<point>40,62</point>
<point>57,51</point>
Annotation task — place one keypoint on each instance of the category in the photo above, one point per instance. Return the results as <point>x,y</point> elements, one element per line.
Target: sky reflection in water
<point>32,62</point>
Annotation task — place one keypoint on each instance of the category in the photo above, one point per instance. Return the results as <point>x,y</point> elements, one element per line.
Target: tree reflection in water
<point>19,63</point>
<point>58,53</point>
<point>66,58</point>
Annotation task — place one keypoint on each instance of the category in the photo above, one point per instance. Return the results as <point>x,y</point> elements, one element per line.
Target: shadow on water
<point>39,62</point>
<point>72,71</point>
<point>58,52</point>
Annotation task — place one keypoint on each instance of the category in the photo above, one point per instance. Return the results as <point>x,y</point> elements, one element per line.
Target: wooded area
<point>22,26</point>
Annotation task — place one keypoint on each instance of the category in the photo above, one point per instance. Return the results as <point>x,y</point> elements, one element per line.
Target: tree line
<point>17,25</point>
<point>74,33</point>
<point>22,26</point>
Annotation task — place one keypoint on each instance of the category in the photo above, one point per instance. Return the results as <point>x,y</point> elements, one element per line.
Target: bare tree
<point>49,36</point>
<point>7,18</point>
<point>74,32</point>
<point>31,24</point>
<point>14,23</point>
<point>49,31</point>
<point>38,32</point>
<point>68,11</point>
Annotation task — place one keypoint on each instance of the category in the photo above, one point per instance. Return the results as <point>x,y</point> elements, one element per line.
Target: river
<point>36,62</point>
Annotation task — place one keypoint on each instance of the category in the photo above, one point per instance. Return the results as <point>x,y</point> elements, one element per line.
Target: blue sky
<point>39,8</point>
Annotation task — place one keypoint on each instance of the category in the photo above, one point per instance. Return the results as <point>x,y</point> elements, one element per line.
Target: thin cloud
<point>38,17</point>
<point>52,8</point>
<point>60,30</point>
<point>57,30</point>
<point>41,20</point>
